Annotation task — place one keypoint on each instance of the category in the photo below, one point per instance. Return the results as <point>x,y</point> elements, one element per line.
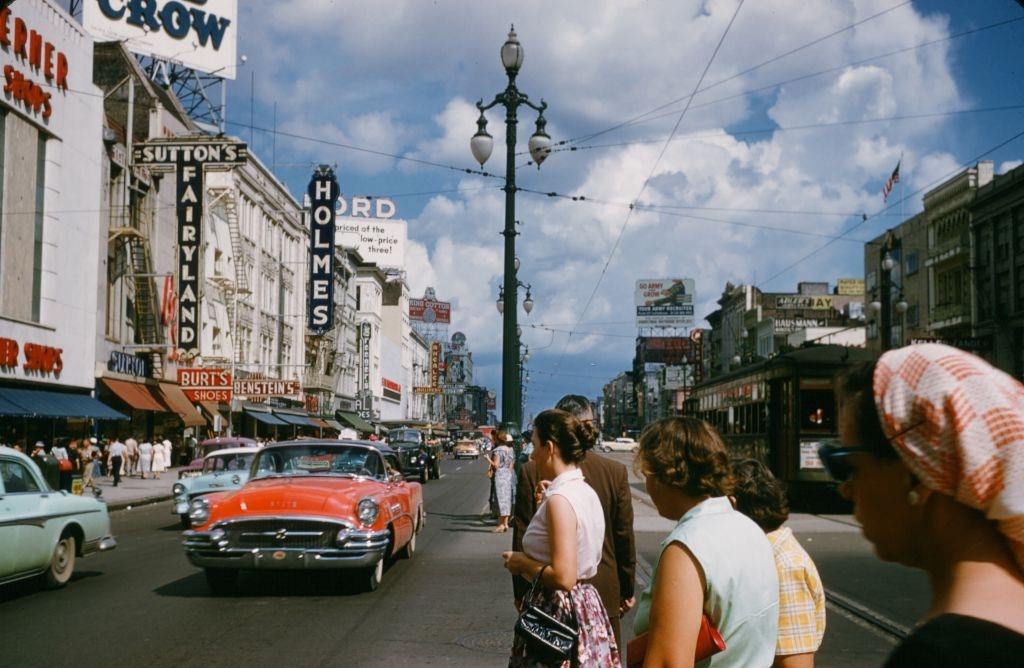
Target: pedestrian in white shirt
<point>145,458</point>
<point>116,459</point>
<point>132,456</point>
<point>159,458</point>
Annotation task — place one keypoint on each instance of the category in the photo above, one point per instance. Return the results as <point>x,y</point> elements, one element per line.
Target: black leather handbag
<point>549,640</point>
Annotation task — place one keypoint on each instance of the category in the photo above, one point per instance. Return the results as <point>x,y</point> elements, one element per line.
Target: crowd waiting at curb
<point>931,454</point>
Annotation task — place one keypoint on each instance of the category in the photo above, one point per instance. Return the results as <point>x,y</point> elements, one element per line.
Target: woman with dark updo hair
<point>562,544</point>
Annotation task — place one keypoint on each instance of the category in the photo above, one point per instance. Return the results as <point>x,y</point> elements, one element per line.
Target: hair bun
<point>587,434</point>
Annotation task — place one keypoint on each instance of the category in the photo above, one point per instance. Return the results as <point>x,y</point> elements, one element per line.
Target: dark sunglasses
<point>834,457</point>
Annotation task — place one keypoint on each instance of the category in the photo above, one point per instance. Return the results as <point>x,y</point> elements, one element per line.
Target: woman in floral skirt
<point>563,545</point>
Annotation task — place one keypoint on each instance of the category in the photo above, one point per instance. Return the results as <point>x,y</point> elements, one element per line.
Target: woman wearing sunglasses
<point>932,456</point>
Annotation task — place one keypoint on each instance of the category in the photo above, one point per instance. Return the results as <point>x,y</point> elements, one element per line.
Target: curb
<point>145,501</point>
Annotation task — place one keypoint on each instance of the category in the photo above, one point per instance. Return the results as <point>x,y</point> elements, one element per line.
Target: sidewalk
<point>136,491</point>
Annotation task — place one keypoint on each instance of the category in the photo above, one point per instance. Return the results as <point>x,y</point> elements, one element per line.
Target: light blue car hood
<point>215,482</point>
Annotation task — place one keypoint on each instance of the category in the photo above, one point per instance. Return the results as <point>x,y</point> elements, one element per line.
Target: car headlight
<point>367,511</point>
<point>198,511</point>
<point>177,489</point>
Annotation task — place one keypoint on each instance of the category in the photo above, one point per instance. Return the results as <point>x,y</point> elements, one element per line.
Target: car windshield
<point>235,462</point>
<point>318,460</point>
<point>405,436</point>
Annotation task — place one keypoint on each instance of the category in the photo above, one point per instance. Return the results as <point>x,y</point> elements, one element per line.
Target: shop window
<point>913,263</point>
<point>913,315</point>
<point>21,232</point>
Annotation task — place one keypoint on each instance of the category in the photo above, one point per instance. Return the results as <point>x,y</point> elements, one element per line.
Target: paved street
<point>450,606</point>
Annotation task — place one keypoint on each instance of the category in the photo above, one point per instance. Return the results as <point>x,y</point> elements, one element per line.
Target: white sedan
<point>622,444</point>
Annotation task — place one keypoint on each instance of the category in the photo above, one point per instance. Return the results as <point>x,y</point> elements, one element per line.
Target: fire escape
<point>226,199</point>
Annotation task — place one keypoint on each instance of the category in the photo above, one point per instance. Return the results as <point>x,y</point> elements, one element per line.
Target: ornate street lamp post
<point>481,145</point>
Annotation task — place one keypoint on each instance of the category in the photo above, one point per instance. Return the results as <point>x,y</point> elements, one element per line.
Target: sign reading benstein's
<point>200,34</point>
<point>266,387</point>
<point>323,196</point>
<point>189,160</point>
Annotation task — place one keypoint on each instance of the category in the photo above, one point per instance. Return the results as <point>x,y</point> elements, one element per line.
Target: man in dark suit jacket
<point>615,574</point>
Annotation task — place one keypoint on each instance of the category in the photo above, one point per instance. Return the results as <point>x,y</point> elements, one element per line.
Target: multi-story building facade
<point>947,209</point>
<point>370,284</point>
<point>909,283</point>
<point>620,412</point>
<point>997,231</point>
<point>728,327</point>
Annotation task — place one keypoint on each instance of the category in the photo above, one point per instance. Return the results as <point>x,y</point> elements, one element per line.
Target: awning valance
<point>44,404</point>
<point>356,422</point>
<point>135,395</point>
<point>334,424</point>
<point>298,420</point>
<point>176,399</point>
<point>265,418</point>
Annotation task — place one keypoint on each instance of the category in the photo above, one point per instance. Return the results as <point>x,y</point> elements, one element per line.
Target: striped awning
<point>47,404</point>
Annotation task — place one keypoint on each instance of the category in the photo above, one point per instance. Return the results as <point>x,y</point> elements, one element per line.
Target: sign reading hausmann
<point>323,196</point>
<point>188,160</point>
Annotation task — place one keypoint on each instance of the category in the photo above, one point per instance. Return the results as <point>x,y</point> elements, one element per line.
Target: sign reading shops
<point>189,161</point>
<point>323,197</point>
<point>31,57</point>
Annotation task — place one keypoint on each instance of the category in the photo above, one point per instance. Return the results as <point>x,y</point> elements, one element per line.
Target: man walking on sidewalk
<point>117,452</point>
<point>131,447</point>
<point>616,572</point>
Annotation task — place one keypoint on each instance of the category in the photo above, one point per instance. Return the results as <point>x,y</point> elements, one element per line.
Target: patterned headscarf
<point>958,424</point>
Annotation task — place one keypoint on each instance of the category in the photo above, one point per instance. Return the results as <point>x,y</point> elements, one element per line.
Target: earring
<point>913,498</point>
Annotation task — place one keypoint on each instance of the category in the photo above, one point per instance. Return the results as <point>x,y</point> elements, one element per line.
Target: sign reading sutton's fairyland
<point>323,196</point>
<point>188,160</point>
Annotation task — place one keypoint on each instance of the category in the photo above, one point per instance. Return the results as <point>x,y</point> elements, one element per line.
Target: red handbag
<point>709,643</point>
<point>65,465</point>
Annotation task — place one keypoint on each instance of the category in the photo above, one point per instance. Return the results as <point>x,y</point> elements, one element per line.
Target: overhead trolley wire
<point>643,188</point>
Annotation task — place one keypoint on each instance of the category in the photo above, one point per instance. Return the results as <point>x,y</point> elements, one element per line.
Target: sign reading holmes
<point>323,196</point>
<point>188,160</point>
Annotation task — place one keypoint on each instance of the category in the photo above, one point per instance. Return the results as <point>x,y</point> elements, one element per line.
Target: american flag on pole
<point>893,180</point>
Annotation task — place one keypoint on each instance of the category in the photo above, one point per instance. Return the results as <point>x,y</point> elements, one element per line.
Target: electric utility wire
<point>643,188</point>
<point>867,218</point>
<point>802,77</point>
<point>652,208</point>
<point>734,76</point>
<point>791,128</point>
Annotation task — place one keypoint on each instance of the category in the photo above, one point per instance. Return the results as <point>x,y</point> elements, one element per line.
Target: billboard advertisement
<point>199,34</point>
<point>378,240</point>
<point>664,302</point>
<point>430,311</point>
<point>666,350</point>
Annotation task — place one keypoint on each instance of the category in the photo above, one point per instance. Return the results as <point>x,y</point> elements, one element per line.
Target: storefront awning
<point>135,395</point>
<point>356,422</point>
<point>265,418</point>
<point>321,423</point>
<point>176,399</point>
<point>46,404</point>
<point>298,420</point>
<point>334,424</point>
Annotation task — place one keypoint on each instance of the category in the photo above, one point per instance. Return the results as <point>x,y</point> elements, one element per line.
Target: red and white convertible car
<point>309,505</point>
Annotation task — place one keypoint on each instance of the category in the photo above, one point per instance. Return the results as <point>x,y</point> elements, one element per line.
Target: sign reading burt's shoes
<point>189,160</point>
<point>323,196</point>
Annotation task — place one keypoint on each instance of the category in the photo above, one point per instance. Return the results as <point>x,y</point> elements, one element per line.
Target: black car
<point>419,460</point>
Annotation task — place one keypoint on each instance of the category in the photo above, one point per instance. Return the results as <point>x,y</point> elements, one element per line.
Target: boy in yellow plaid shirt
<point>760,496</point>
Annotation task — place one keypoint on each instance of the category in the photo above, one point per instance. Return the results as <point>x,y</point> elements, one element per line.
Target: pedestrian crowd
<point>91,459</point>
<point>931,453</point>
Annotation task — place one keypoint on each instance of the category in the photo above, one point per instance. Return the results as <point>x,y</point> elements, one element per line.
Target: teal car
<point>43,532</point>
<point>223,471</point>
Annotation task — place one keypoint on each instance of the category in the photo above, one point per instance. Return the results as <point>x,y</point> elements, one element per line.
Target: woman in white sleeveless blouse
<point>563,543</point>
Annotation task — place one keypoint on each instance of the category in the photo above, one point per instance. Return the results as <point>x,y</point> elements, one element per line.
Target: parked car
<point>419,459</point>
<point>310,504</point>
<point>195,467</point>
<point>468,449</point>
<point>222,470</point>
<point>621,444</point>
<point>43,532</point>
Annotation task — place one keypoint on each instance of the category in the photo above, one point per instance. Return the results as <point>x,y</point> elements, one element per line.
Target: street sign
<point>205,384</point>
<point>266,387</point>
<point>664,302</point>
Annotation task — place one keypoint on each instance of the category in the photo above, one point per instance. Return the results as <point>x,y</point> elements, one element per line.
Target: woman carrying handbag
<point>562,621</point>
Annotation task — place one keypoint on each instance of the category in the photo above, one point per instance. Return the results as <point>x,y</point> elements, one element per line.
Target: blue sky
<point>401,76</point>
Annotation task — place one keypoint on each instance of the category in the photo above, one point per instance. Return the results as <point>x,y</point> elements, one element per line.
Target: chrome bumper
<point>104,544</point>
<point>361,549</point>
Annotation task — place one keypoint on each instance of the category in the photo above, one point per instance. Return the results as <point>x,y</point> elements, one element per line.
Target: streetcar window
<point>817,411</point>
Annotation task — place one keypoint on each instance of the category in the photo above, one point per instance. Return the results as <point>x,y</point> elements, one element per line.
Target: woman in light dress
<point>160,456</point>
<point>502,461</point>
<point>145,458</point>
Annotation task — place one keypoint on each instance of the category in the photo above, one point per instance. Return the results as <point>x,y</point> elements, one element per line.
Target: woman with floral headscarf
<point>932,457</point>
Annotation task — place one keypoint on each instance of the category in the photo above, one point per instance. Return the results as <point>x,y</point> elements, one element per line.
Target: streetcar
<point>780,411</point>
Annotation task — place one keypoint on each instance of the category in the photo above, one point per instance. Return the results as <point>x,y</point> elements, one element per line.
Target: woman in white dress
<point>145,458</point>
<point>160,456</point>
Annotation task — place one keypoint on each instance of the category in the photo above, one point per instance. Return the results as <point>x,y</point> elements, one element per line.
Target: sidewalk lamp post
<point>882,303</point>
<point>481,146</point>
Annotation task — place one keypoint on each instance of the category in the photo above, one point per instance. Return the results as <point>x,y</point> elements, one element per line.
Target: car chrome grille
<point>282,534</point>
